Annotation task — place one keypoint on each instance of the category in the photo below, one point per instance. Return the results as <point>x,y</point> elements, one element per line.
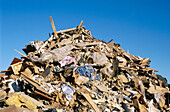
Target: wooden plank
<point>30,78</point>
<point>128,68</point>
<point>21,53</point>
<point>91,102</point>
<point>88,34</point>
<point>67,30</point>
<point>53,26</point>
<point>43,95</point>
<point>3,71</point>
<point>80,24</point>
<point>34,83</point>
<point>63,31</point>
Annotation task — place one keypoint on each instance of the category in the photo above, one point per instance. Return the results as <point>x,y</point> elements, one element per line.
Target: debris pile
<point>74,72</point>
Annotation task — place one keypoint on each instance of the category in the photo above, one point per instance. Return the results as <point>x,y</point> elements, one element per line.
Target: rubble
<point>72,71</point>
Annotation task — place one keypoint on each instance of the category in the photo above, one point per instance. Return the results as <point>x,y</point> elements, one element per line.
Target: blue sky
<point>142,26</point>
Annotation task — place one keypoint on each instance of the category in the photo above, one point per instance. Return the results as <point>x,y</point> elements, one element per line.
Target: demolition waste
<point>74,72</point>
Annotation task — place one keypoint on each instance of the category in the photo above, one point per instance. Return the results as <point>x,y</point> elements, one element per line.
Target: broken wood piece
<point>34,83</point>
<point>157,89</point>
<point>43,95</point>
<point>80,24</point>
<point>126,92</point>
<point>67,30</point>
<point>91,102</point>
<point>123,78</point>
<point>28,72</point>
<point>122,67</point>
<point>30,78</point>
<point>53,26</point>
<point>100,101</point>
<point>88,35</point>
<point>145,61</point>
<point>138,105</point>
<point>45,43</point>
<point>102,88</point>
<point>3,71</point>
<point>67,35</point>
<point>21,53</point>
<point>16,67</point>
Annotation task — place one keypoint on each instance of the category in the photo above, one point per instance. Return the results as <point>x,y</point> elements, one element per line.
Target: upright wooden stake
<point>53,26</point>
<point>80,24</point>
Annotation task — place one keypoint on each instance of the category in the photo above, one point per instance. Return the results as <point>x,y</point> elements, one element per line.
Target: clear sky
<point>142,26</point>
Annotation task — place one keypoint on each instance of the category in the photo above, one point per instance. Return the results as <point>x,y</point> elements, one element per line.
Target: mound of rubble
<point>74,72</point>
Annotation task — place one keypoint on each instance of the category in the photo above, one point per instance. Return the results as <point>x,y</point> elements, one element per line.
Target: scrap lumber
<point>72,71</point>
<point>53,26</point>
